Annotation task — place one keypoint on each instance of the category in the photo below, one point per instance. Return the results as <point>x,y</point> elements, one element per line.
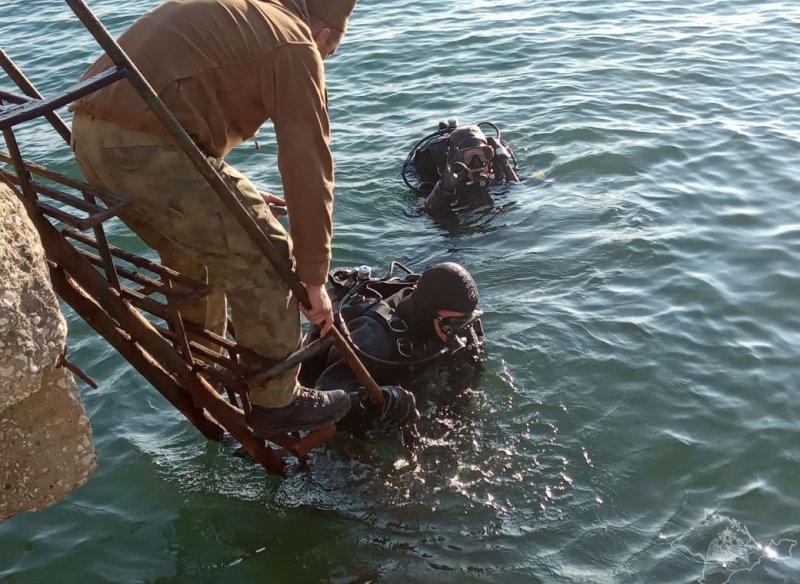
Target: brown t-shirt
<point>224,67</point>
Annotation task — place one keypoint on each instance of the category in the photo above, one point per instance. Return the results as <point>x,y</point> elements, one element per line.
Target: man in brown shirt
<point>224,67</point>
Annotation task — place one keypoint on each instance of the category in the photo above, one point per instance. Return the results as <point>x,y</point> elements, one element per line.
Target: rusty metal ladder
<point>133,302</point>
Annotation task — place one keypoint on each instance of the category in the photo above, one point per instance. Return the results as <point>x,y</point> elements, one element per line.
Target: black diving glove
<point>453,174</point>
<point>399,406</point>
<point>399,409</point>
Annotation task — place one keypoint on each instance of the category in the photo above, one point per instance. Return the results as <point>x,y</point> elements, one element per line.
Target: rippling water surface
<point>639,401</point>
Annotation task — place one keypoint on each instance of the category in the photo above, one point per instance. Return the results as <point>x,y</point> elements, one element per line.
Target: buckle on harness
<point>405,347</point>
<point>397,324</point>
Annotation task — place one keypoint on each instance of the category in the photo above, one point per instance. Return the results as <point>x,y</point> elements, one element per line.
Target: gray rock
<point>46,447</point>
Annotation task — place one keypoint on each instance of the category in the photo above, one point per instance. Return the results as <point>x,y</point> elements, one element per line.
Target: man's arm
<point>300,116</point>
<point>439,200</point>
<point>296,86</point>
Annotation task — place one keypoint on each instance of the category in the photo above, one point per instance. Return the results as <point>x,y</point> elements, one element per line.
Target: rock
<point>46,448</point>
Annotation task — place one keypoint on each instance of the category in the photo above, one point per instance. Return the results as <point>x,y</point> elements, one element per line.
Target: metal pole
<point>225,189</point>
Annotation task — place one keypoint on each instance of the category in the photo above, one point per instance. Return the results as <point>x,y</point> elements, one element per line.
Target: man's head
<point>328,21</point>
<point>445,294</point>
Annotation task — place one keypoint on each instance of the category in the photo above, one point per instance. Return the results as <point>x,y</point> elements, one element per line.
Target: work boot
<point>311,410</point>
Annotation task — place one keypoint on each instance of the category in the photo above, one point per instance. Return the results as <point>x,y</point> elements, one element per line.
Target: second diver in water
<point>458,166</point>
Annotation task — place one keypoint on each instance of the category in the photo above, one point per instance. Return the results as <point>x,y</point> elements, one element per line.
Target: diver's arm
<point>439,200</point>
<point>444,191</point>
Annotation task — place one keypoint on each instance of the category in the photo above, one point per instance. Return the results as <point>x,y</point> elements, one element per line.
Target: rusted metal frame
<point>154,286</point>
<point>311,350</point>
<point>224,187</point>
<point>139,261</point>
<point>58,124</point>
<point>90,312</point>
<point>80,204</point>
<point>200,390</point>
<point>100,321</point>
<point>105,195</point>
<point>41,107</point>
<point>18,77</point>
<point>203,395</point>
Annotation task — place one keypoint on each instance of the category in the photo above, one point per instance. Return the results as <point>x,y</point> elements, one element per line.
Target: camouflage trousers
<point>178,214</point>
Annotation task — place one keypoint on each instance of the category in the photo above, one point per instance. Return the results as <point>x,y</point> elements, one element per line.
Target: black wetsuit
<point>387,348</point>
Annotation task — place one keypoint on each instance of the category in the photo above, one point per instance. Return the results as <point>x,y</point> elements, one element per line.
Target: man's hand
<point>321,311</point>
<point>276,204</point>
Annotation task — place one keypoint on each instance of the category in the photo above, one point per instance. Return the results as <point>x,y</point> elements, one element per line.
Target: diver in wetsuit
<point>400,328</point>
<point>458,165</point>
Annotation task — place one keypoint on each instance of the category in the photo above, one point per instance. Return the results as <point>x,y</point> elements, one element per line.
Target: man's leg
<point>107,155</point>
<point>178,203</point>
<point>266,319</point>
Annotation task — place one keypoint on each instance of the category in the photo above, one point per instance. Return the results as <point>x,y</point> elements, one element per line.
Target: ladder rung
<point>34,108</point>
<point>106,196</point>
<point>59,196</point>
<point>139,261</point>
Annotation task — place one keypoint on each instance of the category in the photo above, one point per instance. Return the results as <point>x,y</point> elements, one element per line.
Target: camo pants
<point>178,214</point>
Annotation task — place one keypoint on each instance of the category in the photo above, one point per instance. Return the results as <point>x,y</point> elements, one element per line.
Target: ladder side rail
<point>41,107</point>
<point>135,325</point>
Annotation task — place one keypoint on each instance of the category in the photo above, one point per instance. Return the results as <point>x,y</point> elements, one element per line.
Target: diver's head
<point>444,301</point>
<point>468,146</point>
<point>328,21</point>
